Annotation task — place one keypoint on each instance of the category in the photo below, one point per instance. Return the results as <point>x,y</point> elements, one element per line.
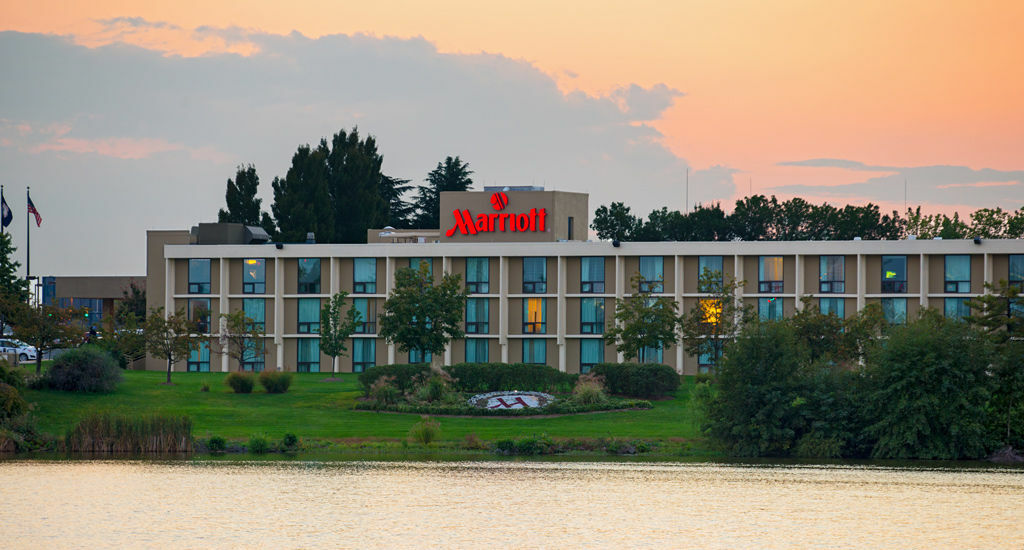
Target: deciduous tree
<point>171,338</point>
<point>336,328</point>
<point>643,322</point>
<point>240,338</point>
<point>420,315</point>
<point>717,318</point>
<point>47,328</point>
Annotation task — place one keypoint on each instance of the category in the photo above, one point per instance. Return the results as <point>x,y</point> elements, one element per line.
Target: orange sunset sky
<point>887,91</point>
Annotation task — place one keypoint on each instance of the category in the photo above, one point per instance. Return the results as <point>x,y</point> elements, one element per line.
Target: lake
<point>192,504</point>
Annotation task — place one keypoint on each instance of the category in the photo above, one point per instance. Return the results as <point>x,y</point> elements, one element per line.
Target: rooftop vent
<point>310,238</point>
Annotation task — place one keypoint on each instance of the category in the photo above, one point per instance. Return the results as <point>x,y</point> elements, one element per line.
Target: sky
<point>126,116</point>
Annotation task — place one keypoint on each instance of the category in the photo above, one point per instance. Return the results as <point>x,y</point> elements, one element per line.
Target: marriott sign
<point>513,215</point>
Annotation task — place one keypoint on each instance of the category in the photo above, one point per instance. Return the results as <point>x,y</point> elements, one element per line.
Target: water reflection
<point>523,504</point>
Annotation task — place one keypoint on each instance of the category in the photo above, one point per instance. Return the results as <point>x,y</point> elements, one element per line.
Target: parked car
<point>24,351</point>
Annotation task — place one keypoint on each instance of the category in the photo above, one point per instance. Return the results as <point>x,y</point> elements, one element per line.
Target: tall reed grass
<point>119,433</point>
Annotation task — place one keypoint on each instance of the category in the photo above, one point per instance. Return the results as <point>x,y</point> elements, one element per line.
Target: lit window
<point>534,318</point>
<point>769,275</point>
<point>710,311</point>
<point>254,276</point>
<point>894,274</point>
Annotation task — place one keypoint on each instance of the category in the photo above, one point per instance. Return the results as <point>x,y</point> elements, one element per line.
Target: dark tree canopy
<point>400,212</point>
<point>242,204</point>
<point>11,285</point>
<point>451,175</point>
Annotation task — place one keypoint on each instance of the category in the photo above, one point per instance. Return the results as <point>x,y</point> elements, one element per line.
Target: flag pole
<point>1,200</point>
<point>28,243</point>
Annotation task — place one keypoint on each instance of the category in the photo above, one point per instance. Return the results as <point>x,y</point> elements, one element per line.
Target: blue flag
<point>5,212</point>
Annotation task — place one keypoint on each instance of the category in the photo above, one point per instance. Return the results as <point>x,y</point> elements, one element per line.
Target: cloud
<point>160,134</point>
<point>136,22</point>
<point>937,185</point>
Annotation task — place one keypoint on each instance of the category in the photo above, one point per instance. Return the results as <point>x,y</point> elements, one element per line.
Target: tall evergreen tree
<point>354,181</point>
<point>450,175</point>
<point>400,212</point>
<point>302,202</point>
<point>242,204</point>
<point>11,285</point>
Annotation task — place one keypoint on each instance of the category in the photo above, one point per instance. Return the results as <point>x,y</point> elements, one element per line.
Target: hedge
<point>488,377</point>
<point>403,375</point>
<point>638,379</point>
<point>558,407</point>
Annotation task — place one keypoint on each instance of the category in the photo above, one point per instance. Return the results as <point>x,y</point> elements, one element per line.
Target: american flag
<point>32,210</point>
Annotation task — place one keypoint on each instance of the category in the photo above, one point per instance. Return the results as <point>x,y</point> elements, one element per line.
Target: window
<point>252,360</point>
<point>592,275</point>
<point>710,273</point>
<point>652,354</point>
<point>308,355</point>
<point>956,308</point>
<point>958,275</point>
<point>309,275</point>
<point>415,263</point>
<point>199,313</point>
<point>256,310</point>
<point>477,316</point>
<point>199,359</point>
<point>254,276</point>
<point>477,279</point>
<point>309,315</point>
<point>769,309</point>
<point>199,276</point>
<point>652,274</point>
<point>367,310</point>
<point>535,275</point>
<point>476,350</point>
<point>894,275</point>
<point>591,353</point>
<point>364,276</point>
<point>769,274</point>
<point>832,275</point>
<point>419,356</point>
<point>832,306</point>
<point>592,316</point>
<point>363,354</point>
<point>1016,271</point>
<point>895,310</point>
<point>535,351</point>
<point>570,227</point>
<point>534,316</point>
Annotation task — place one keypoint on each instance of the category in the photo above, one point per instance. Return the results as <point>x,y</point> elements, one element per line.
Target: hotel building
<point>538,291</point>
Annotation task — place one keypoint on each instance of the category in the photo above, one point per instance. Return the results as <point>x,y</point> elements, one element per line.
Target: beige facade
<point>537,308</point>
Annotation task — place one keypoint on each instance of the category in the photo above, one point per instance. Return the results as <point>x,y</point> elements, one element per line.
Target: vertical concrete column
<point>620,286</point>
<point>924,280</point>
<point>862,277</point>
<point>279,310</point>
<point>169,287</point>
<point>737,273</point>
<point>225,285</point>
<point>987,262</point>
<point>446,268</point>
<point>503,307</point>
<point>560,309</point>
<point>678,283</point>
<point>799,281</point>
<point>389,283</point>
<point>334,276</point>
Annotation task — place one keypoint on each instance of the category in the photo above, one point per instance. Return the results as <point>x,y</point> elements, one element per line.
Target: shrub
<point>205,387</point>
<point>402,376</point>
<point>434,389</point>
<point>216,444</point>
<point>86,369</point>
<point>240,382</point>
<point>11,376</point>
<point>258,445</point>
<point>487,377</point>
<point>473,442</point>
<point>815,445</point>
<point>425,431</point>
<point>638,379</point>
<point>589,390</point>
<point>527,446</point>
<point>276,381</point>
<point>11,402</point>
<point>383,392</point>
<point>290,442</point>
<point>120,433</point>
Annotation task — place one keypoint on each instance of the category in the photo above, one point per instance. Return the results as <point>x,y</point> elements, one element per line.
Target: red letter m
<point>463,222</point>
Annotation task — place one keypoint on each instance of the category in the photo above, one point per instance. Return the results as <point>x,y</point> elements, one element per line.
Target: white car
<point>24,351</point>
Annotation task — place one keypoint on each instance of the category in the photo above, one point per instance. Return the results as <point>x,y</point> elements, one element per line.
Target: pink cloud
<point>122,148</point>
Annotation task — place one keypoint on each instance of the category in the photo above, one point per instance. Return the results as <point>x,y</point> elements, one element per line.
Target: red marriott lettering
<point>489,223</point>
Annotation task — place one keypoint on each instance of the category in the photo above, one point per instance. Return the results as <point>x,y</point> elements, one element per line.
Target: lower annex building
<point>538,291</point>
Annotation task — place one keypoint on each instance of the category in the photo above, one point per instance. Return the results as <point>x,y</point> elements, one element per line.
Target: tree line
<point>761,218</point>
<point>338,190</point>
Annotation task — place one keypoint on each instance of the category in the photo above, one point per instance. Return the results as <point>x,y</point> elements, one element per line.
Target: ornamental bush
<point>86,369</point>
<point>275,381</point>
<point>12,404</point>
<point>403,377</point>
<point>425,431</point>
<point>240,382</point>
<point>488,377</point>
<point>638,379</point>
<point>11,376</point>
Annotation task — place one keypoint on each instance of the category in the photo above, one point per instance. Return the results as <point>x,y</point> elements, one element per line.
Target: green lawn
<point>313,408</point>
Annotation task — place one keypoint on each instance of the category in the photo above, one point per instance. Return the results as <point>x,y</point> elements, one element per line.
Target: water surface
<point>117,504</point>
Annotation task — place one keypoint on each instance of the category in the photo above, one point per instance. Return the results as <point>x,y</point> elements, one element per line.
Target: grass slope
<point>316,409</point>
